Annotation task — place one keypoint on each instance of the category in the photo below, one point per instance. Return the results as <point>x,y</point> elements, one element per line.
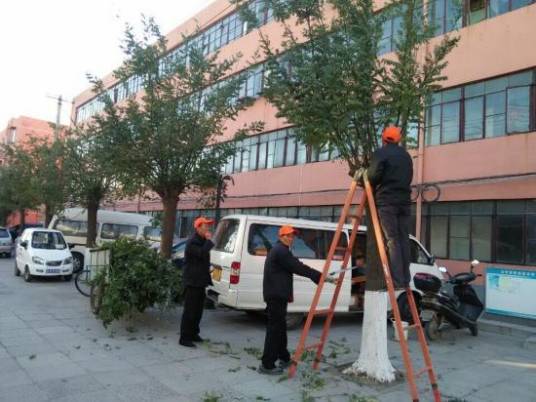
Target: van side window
<point>114,231</point>
<point>4,234</point>
<point>308,243</point>
<point>226,234</point>
<point>71,228</point>
<point>418,256</point>
<point>152,233</point>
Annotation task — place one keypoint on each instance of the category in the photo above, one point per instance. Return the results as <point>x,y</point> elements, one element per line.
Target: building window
<point>492,231</point>
<point>445,15</point>
<point>490,109</point>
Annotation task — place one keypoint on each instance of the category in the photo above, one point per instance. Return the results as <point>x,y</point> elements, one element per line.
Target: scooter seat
<point>463,278</point>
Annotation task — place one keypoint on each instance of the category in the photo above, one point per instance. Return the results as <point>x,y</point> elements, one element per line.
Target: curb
<point>509,329</point>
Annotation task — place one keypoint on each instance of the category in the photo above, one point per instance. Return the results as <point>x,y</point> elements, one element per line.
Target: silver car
<point>6,242</point>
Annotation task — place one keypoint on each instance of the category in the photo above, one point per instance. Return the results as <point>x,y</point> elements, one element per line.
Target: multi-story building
<point>19,131</point>
<point>479,140</point>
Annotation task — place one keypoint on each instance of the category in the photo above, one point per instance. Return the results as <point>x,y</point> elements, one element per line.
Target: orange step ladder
<point>411,376</point>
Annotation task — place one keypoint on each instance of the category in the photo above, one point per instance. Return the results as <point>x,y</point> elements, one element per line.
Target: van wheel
<point>78,262</point>
<point>294,320</point>
<point>27,275</point>
<point>17,272</point>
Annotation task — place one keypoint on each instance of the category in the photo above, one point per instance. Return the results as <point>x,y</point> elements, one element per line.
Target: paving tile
<point>42,360</point>
<point>22,393</point>
<point>64,370</point>
<point>14,377</point>
<point>99,364</point>
<point>148,391</point>
<point>122,377</point>
<point>56,389</point>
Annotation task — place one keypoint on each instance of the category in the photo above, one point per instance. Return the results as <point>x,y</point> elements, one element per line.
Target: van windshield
<point>4,233</point>
<point>226,234</point>
<point>48,241</point>
<point>308,243</point>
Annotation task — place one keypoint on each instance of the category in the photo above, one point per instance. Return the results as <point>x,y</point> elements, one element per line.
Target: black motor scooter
<point>456,302</point>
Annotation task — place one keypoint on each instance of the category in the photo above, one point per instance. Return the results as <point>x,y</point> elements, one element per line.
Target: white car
<point>43,252</point>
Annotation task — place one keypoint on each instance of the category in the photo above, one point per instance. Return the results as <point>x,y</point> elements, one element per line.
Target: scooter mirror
<point>474,263</point>
<point>443,269</point>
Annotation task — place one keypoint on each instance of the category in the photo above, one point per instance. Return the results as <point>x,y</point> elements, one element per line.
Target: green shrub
<point>138,278</point>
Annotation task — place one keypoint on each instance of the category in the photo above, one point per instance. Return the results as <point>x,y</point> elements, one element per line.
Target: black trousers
<point>394,220</point>
<point>275,342</point>
<point>194,300</point>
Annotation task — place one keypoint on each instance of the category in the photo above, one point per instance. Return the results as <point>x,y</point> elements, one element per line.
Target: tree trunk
<point>49,213</point>
<point>373,360</point>
<point>168,224</point>
<point>22,213</point>
<point>92,209</point>
<point>218,200</point>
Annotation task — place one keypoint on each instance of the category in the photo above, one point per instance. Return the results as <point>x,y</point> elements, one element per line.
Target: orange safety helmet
<point>286,230</point>
<point>202,221</point>
<point>392,134</point>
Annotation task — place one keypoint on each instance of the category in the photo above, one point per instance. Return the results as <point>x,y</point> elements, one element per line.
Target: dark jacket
<point>390,174</point>
<point>197,262</point>
<point>279,267</point>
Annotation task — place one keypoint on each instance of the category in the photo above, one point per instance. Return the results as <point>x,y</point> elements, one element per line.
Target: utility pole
<point>60,101</point>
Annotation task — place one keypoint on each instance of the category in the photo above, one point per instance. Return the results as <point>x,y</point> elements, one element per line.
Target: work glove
<point>331,279</point>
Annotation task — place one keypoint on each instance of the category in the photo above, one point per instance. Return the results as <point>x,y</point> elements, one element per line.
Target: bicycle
<point>430,192</point>
<point>82,281</point>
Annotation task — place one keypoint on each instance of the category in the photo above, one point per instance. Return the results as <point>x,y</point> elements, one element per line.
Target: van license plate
<point>216,274</point>
<point>52,271</point>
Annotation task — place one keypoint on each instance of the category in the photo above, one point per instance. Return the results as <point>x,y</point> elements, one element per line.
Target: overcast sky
<point>47,47</point>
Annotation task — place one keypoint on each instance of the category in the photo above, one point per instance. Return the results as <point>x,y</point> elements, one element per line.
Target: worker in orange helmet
<point>279,268</point>
<point>196,277</point>
<point>390,174</point>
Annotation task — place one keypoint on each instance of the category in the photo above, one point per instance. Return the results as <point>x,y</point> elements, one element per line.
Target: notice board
<point>511,292</point>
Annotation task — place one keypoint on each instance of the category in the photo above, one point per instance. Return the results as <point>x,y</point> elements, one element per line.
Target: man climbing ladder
<point>390,175</point>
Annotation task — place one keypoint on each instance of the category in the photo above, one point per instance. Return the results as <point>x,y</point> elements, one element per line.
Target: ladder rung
<point>313,346</point>
<point>413,326</point>
<point>321,312</point>
<point>340,248</point>
<point>422,371</point>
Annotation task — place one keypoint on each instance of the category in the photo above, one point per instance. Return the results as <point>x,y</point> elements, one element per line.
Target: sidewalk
<point>52,349</point>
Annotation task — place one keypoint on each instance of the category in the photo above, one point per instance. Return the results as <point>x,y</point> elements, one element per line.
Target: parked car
<point>6,242</point>
<point>111,225</point>
<point>43,252</point>
<point>243,241</point>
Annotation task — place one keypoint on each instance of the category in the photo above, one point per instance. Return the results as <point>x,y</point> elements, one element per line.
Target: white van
<point>110,226</point>
<point>242,242</point>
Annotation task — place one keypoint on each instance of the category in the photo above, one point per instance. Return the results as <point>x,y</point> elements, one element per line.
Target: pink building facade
<point>479,143</point>
<point>19,131</point>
